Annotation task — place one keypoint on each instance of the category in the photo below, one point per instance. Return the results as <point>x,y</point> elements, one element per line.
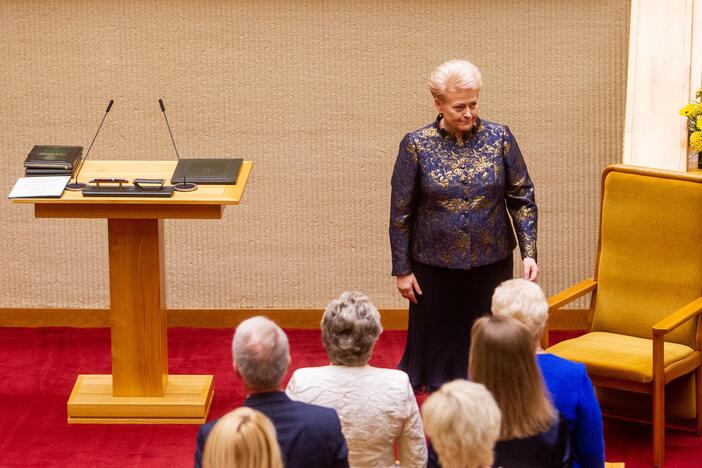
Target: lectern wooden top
<point>204,195</point>
<point>204,203</point>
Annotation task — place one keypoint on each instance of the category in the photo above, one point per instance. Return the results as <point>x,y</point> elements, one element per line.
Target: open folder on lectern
<point>190,172</point>
<point>207,171</point>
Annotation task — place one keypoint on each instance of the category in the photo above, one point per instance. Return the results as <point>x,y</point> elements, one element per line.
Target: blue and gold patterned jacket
<point>450,202</point>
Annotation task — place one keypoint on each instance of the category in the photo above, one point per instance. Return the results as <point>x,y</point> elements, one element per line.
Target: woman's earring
<point>441,116</point>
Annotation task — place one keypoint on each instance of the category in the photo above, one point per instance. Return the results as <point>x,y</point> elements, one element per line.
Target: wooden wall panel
<point>319,95</point>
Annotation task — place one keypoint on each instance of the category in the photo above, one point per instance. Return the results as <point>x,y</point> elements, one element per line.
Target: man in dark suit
<point>308,435</point>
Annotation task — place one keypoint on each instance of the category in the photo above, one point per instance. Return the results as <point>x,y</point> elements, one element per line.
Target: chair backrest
<point>650,250</point>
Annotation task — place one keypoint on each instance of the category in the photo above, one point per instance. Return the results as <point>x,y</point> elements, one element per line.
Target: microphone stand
<point>77,186</point>
<point>184,186</point>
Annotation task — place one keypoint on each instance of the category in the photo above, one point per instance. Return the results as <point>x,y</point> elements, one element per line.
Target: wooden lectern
<point>139,390</point>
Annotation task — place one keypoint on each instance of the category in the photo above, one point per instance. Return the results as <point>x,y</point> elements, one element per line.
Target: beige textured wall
<point>319,95</point>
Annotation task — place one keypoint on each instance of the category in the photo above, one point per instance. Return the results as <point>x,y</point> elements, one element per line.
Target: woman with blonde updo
<point>243,438</point>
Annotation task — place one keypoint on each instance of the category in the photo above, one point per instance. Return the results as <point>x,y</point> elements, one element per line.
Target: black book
<point>49,170</point>
<point>207,171</point>
<point>52,156</point>
<point>47,174</point>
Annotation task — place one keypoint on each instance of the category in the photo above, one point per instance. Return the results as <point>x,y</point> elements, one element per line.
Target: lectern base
<point>186,401</point>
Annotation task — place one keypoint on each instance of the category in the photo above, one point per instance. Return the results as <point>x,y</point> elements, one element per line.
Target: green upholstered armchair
<point>646,294</point>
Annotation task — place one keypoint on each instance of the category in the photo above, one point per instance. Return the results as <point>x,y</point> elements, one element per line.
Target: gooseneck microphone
<point>76,186</point>
<point>182,186</point>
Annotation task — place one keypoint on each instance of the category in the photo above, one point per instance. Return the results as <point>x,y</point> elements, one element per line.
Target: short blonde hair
<point>463,422</point>
<point>522,300</point>
<point>243,438</point>
<point>454,75</point>
<point>502,357</point>
<point>350,327</point>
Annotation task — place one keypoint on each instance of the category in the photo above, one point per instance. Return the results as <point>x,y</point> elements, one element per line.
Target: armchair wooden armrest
<point>565,297</point>
<point>572,293</point>
<point>678,317</point>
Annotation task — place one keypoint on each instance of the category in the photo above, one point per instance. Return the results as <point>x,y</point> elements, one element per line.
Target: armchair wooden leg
<point>658,402</point>
<point>658,422</point>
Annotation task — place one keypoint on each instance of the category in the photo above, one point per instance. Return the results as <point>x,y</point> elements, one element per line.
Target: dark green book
<point>207,171</point>
<point>48,170</point>
<point>53,156</point>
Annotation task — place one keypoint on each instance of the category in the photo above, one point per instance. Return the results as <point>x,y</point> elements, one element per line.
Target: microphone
<point>76,186</point>
<point>182,186</point>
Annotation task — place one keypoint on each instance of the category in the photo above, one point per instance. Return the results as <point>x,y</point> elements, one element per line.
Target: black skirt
<point>438,333</point>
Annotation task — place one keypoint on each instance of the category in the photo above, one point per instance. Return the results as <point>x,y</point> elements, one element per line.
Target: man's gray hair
<point>350,327</point>
<point>261,352</point>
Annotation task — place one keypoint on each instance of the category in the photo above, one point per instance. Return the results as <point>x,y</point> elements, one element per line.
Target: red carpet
<point>38,368</point>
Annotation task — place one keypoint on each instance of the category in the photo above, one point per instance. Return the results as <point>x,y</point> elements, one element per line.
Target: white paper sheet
<point>39,187</point>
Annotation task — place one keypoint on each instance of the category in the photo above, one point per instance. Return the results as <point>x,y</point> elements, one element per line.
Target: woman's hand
<point>407,285</point>
<point>531,269</point>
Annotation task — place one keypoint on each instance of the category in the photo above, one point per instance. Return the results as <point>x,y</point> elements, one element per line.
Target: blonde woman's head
<point>522,300</point>
<point>243,438</point>
<point>463,422</point>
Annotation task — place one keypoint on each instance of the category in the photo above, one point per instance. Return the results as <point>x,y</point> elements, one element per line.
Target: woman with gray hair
<point>458,186</point>
<point>376,406</point>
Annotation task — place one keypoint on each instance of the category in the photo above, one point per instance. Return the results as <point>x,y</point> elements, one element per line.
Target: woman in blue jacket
<point>568,383</point>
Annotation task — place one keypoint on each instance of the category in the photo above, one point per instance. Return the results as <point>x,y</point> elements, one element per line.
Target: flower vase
<point>693,159</point>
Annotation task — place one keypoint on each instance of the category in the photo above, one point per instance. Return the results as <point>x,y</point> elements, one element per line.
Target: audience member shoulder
<point>206,428</point>
<point>307,372</point>
<point>312,374</point>
<point>395,375</point>
<point>564,365</point>
<point>320,412</point>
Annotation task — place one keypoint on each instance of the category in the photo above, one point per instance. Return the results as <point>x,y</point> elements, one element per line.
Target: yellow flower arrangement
<point>696,140</point>
<point>693,112</point>
<point>687,110</point>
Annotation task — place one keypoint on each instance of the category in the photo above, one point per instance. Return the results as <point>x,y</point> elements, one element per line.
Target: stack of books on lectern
<point>49,160</point>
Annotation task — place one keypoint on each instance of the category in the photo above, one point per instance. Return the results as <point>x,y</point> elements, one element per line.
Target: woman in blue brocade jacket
<point>455,186</point>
